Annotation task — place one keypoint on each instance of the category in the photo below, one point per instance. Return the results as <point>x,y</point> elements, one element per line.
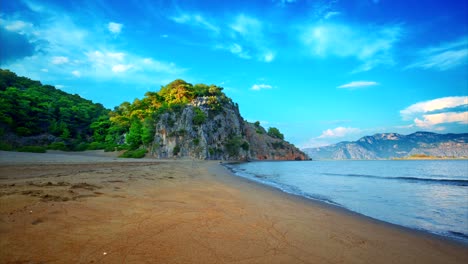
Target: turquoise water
<point>426,195</point>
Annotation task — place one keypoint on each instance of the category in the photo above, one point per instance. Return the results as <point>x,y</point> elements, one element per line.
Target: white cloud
<point>16,25</point>
<point>358,84</point>
<point>196,20</point>
<point>114,28</point>
<point>339,132</point>
<point>252,33</point>
<point>434,113</point>
<point>76,73</point>
<point>116,55</point>
<point>121,68</point>
<point>242,35</point>
<point>258,87</point>
<point>269,57</point>
<point>433,105</point>
<point>443,57</point>
<point>60,60</point>
<point>432,120</point>
<point>331,14</point>
<point>372,45</point>
<point>65,48</point>
<point>247,25</point>
<point>238,50</point>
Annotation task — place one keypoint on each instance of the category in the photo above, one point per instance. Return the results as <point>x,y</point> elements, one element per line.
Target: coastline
<point>341,209</point>
<point>185,211</point>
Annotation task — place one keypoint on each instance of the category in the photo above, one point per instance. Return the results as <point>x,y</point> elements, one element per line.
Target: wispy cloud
<point>258,87</point>
<point>431,114</point>
<point>76,73</point>
<point>372,46</point>
<point>60,60</point>
<point>196,20</point>
<point>283,3</point>
<point>339,132</point>
<point>63,49</point>
<point>241,34</point>
<point>331,136</point>
<point>443,57</point>
<point>251,31</point>
<point>358,84</point>
<point>114,28</point>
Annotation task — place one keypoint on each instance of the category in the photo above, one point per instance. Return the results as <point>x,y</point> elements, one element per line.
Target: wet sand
<point>94,208</point>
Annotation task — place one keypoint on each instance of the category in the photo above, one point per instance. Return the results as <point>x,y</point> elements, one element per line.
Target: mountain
<point>200,121</point>
<point>393,145</point>
<point>181,120</point>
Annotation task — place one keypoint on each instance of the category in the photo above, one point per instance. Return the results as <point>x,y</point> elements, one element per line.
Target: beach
<point>95,208</point>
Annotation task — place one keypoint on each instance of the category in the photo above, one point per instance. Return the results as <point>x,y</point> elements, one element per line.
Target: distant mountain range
<point>393,145</point>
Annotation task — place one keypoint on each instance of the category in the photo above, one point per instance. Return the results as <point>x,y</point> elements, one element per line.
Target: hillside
<point>36,114</point>
<point>181,120</point>
<point>392,145</point>
<point>198,121</point>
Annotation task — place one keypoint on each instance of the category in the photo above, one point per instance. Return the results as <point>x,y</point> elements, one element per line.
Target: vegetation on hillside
<point>28,108</point>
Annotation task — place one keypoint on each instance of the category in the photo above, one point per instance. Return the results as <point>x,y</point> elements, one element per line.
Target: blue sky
<point>320,71</point>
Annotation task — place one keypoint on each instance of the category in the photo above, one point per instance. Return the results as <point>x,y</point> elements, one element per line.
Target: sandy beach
<point>95,208</point>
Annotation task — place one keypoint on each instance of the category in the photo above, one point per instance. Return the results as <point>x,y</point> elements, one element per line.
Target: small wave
<point>408,179</point>
<point>283,187</point>
<point>459,235</point>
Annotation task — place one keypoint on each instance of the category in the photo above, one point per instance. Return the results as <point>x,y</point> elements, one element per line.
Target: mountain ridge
<point>394,145</point>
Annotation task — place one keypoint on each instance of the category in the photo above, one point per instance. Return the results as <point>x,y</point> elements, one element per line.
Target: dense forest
<point>28,109</point>
<point>36,117</point>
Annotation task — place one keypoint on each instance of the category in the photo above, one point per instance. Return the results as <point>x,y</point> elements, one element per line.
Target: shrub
<point>176,150</point>
<point>277,145</point>
<point>95,146</point>
<point>196,141</point>
<point>5,146</point>
<point>58,146</point>
<point>123,147</point>
<point>274,132</point>
<point>110,148</point>
<point>245,146</point>
<point>232,146</point>
<point>81,147</point>
<point>34,149</point>
<point>134,154</point>
<point>199,117</point>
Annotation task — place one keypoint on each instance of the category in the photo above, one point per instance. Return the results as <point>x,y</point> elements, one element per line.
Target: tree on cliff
<point>274,132</point>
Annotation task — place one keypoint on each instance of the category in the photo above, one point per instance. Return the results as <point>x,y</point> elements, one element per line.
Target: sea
<point>427,195</point>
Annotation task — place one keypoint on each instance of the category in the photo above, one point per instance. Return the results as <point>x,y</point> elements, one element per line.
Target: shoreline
<point>344,210</point>
<point>186,211</point>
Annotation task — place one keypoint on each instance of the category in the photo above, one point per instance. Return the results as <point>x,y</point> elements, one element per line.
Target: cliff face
<point>223,134</point>
<point>264,147</point>
<point>392,145</point>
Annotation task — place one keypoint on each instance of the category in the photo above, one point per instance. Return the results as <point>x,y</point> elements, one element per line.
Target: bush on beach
<point>134,154</point>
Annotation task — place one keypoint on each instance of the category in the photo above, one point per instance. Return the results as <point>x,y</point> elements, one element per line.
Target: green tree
<point>133,137</point>
<point>199,116</point>
<point>147,131</point>
<point>274,132</point>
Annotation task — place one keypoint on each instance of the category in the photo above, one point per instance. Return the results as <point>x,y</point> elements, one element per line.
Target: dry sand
<point>76,208</point>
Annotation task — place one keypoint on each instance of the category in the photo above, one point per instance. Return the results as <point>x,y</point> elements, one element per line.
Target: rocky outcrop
<point>393,145</point>
<point>264,147</point>
<point>201,132</point>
